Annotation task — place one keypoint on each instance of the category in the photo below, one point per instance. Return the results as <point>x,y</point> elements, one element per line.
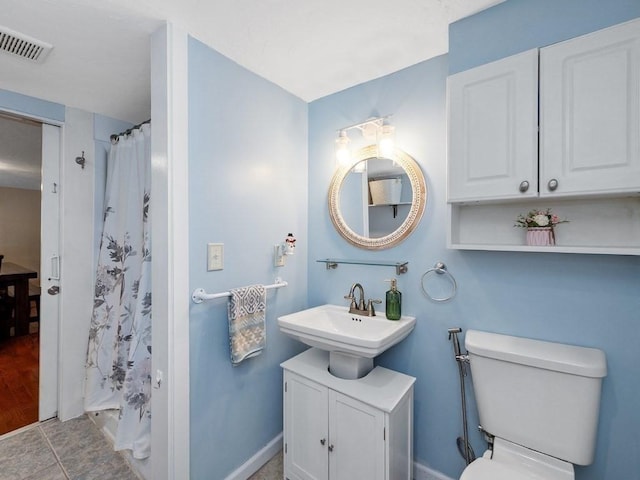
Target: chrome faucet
<point>355,305</point>
<point>359,307</point>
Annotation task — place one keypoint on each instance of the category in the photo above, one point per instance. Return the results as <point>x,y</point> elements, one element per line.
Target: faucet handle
<point>353,301</point>
<point>370,310</point>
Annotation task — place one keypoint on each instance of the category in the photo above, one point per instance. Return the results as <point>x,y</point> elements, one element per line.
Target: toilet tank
<point>542,395</point>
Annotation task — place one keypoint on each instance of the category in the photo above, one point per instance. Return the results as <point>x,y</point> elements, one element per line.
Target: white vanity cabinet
<point>587,169</point>
<point>344,429</point>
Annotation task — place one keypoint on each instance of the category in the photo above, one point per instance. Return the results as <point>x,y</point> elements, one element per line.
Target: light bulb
<point>386,141</point>
<point>343,153</point>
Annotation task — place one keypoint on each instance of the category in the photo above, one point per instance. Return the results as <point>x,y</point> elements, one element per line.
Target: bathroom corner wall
<point>588,300</point>
<point>248,190</point>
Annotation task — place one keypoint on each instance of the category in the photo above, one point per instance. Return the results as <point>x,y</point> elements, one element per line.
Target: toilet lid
<point>484,469</point>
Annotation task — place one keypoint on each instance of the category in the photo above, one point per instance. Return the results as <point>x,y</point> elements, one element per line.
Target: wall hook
<point>81,160</point>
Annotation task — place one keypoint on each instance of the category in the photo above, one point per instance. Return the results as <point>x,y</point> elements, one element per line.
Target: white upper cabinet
<point>493,130</point>
<point>589,113</point>
<point>587,169</point>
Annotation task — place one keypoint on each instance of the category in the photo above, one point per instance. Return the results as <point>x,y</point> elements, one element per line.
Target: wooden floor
<point>18,382</point>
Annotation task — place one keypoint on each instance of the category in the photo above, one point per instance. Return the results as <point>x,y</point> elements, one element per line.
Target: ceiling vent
<point>23,45</point>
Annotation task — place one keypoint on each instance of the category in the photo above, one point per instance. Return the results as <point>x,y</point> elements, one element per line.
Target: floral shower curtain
<point>118,370</point>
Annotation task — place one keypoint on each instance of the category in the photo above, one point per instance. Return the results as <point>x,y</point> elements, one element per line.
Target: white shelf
<point>332,263</point>
<point>388,204</point>
<point>554,249</point>
<point>609,226</point>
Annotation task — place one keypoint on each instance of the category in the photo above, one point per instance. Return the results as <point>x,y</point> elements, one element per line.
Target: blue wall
<point>518,25</point>
<point>247,189</point>
<point>586,300</point>
<point>25,105</point>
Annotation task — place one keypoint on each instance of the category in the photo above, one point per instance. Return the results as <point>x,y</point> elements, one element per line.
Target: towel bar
<point>199,295</point>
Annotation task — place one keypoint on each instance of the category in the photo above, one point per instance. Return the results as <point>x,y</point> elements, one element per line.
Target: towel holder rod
<point>199,295</point>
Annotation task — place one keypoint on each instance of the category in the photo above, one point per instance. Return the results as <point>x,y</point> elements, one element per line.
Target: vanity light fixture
<point>374,130</point>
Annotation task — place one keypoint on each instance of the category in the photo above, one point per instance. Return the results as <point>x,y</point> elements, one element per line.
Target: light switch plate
<point>215,256</point>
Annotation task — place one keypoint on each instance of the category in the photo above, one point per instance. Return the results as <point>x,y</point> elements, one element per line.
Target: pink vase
<point>540,236</point>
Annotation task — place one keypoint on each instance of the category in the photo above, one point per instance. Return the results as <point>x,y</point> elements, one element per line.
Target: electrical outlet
<point>215,256</point>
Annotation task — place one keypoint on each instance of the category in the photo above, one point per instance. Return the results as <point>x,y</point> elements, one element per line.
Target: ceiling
<point>312,48</point>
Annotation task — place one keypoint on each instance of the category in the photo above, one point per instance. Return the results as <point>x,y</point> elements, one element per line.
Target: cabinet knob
<point>524,186</point>
<point>553,184</point>
<point>330,447</point>
<point>323,441</point>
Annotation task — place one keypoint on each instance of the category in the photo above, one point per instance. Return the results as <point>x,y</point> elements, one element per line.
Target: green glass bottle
<point>393,301</point>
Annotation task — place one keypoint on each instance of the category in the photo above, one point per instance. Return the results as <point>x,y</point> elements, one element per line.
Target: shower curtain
<point>118,369</point>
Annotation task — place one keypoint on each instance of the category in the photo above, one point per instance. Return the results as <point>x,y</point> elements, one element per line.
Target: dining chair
<point>6,314</point>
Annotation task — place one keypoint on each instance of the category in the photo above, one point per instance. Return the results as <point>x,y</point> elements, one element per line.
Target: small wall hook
<point>81,160</point>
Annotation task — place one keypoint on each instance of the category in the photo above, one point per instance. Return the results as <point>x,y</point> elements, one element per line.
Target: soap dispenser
<point>393,308</point>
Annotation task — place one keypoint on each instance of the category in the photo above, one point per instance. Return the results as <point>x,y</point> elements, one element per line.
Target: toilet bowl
<point>508,461</point>
<point>526,393</point>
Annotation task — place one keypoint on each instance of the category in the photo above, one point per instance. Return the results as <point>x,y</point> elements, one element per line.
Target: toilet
<point>539,401</point>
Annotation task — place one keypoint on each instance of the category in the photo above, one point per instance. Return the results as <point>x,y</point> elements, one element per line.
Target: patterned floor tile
<point>51,473</point>
<point>23,454</point>
<point>85,452</point>
<point>81,453</point>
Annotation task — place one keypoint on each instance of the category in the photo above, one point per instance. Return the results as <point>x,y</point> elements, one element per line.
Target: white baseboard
<point>252,465</point>
<point>422,472</point>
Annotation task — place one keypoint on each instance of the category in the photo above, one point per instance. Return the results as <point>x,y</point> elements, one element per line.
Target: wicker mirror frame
<point>418,200</point>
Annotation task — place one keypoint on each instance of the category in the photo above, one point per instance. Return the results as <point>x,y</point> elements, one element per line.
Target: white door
<point>493,130</point>
<point>356,439</point>
<point>49,271</point>
<point>590,113</point>
<point>305,429</point>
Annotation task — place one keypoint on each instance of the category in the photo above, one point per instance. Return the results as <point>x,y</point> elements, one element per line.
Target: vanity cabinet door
<point>305,429</point>
<point>340,429</point>
<point>590,113</point>
<point>493,130</point>
<point>356,439</point>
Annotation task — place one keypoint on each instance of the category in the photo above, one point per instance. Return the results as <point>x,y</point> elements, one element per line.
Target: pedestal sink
<point>351,340</point>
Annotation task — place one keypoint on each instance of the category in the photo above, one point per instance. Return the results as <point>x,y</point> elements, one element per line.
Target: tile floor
<point>53,450</point>
<point>272,470</point>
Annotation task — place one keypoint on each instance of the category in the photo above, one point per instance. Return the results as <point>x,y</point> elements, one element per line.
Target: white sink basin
<point>352,340</point>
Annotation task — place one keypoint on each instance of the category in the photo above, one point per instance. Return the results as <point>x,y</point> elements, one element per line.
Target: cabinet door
<point>305,429</point>
<point>493,130</point>
<point>356,439</point>
<point>590,109</point>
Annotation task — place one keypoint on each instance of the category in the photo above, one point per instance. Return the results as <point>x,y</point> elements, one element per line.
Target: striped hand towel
<point>247,332</point>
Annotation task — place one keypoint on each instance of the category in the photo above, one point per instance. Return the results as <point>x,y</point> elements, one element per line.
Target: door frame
<point>49,391</point>
<point>49,311</point>
<point>170,432</point>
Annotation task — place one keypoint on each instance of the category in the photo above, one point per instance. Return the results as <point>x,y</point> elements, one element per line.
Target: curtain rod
<point>114,137</point>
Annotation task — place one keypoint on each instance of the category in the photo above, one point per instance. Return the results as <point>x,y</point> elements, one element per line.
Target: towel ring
<point>441,269</point>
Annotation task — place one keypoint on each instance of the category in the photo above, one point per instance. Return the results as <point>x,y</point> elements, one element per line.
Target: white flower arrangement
<point>538,218</point>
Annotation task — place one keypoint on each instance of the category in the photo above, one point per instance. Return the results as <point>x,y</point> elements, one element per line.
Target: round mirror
<point>375,203</point>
